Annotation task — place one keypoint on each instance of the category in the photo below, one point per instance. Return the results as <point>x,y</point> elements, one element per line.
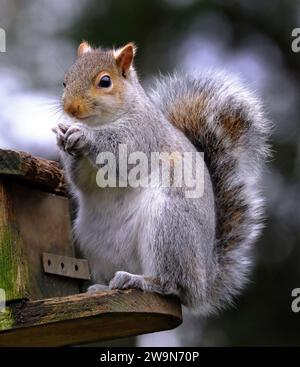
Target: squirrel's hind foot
<point>124,280</point>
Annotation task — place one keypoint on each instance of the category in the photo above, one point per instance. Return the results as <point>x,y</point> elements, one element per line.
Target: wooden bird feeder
<point>41,277</point>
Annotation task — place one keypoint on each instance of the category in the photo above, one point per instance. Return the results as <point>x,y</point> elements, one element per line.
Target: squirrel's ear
<point>124,57</point>
<point>83,48</point>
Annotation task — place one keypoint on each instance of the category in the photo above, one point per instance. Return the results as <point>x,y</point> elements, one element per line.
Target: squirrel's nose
<point>73,108</point>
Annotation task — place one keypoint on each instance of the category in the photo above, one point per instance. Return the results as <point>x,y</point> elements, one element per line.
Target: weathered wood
<point>38,172</point>
<point>89,317</point>
<point>13,267</point>
<point>33,222</point>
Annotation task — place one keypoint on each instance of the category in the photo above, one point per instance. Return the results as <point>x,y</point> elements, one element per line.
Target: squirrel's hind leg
<point>124,280</point>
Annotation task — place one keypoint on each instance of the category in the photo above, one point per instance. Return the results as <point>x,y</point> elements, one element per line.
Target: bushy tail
<point>226,122</point>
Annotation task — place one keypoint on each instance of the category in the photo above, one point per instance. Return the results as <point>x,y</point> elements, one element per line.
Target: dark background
<point>251,38</point>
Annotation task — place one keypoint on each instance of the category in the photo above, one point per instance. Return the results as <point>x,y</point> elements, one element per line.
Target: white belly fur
<point>113,226</point>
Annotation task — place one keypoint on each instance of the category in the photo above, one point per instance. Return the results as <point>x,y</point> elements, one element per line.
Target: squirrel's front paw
<point>75,141</point>
<point>71,138</point>
<point>60,131</point>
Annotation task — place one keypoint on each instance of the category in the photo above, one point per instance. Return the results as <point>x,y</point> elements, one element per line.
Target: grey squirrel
<point>156,239</point>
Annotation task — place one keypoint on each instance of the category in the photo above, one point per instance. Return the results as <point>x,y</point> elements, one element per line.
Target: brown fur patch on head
<point>82,83</point>
<point>116,89</point>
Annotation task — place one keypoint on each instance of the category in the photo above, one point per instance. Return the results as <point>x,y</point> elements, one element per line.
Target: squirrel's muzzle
<point>76,108</point>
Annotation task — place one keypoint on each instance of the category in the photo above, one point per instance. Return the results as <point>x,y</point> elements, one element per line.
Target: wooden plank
<point>43,223</point>
<point>89,317</point>
<point>13,266</point>
<point>41,173</point>
<point>33,222</point>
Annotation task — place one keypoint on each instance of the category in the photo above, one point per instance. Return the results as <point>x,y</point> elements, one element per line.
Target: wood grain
<point>13,265</point>
<point>90,317</point>
<point>38,172</point>
<point>44,225</point>
<point>32,222</point>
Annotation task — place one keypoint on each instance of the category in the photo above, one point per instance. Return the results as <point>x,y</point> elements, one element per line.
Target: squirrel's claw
<point>63,127</point>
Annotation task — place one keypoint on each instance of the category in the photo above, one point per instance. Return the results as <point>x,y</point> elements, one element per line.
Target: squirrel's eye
<point>105,82</point>
<point>64,84</point>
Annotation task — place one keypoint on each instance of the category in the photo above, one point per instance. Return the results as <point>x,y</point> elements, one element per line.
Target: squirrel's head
<point>99,85</point>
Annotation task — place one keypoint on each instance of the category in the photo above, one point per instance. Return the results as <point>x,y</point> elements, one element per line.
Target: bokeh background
<point>248,37</point>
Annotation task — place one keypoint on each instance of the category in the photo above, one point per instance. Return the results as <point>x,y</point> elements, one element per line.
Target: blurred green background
<point>251,38</point>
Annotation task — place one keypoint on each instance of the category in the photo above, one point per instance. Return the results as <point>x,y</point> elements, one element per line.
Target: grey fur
<point>155,238</point>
